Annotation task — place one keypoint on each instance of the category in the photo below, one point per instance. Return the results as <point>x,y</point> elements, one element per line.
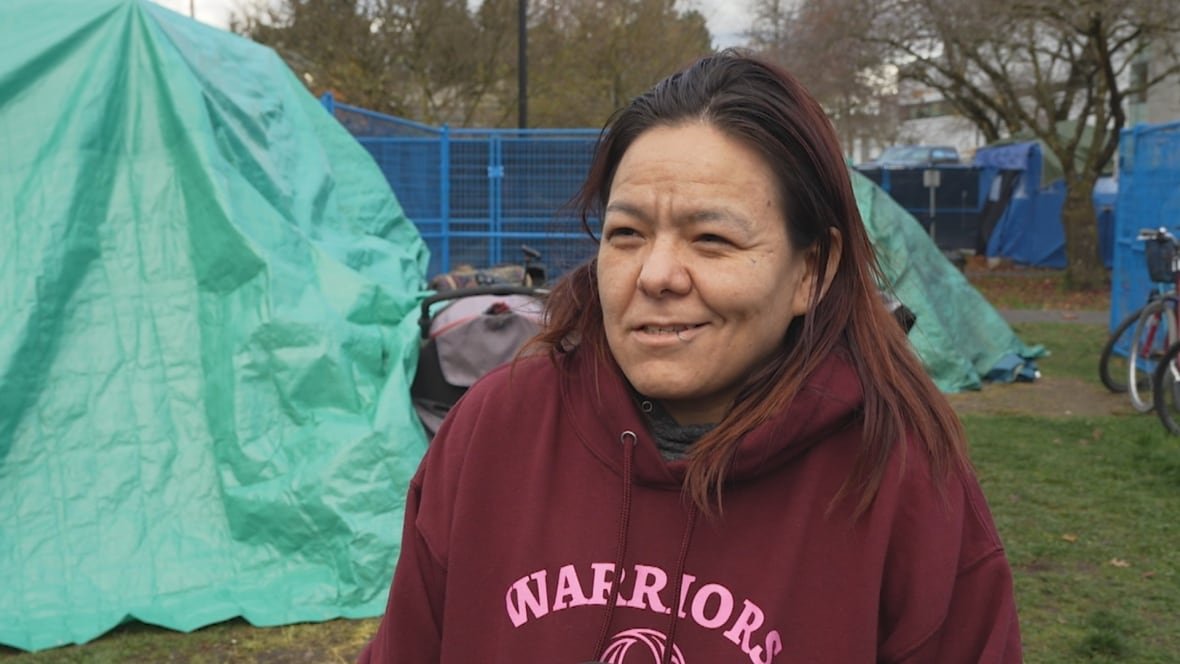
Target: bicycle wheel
<point>1166,389</point>
<point>1155,332</point>
<point>1112,365</point>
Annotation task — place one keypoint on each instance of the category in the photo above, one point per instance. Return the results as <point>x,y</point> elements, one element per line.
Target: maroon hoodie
<point>544,481</point>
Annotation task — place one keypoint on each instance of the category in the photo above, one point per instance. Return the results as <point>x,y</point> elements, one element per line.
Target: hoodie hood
<point>597,394</point>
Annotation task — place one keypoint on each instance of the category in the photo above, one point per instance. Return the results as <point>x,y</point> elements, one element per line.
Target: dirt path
<point>1085,317</point>
<point>1052,395</point>
<point>1047,397</point>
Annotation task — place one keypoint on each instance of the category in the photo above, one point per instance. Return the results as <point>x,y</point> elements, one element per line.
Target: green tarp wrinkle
<point>208,302</point>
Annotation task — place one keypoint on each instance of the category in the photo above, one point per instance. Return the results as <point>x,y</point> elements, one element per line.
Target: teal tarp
<point>207,332</point>
<point>959,335</point>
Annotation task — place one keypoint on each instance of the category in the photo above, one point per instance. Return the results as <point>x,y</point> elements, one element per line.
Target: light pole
<point>522,63</point>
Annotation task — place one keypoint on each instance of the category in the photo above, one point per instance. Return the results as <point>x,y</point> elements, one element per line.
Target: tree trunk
<point>1084,269</point>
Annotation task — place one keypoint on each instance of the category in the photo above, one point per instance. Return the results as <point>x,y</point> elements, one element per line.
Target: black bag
<point>1159,253</point>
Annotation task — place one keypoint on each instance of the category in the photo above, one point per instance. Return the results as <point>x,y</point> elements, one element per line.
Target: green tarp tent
<point>207,333</point>
<point>959,335</point>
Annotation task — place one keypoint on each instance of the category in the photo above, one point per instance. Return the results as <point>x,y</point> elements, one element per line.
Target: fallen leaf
<point>1148,575</point>
<point>1119,562</point>
<point>1070,537</point>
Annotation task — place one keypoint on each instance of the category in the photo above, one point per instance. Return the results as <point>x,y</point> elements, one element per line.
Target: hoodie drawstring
<point>628,440</point>
<point>674,619</point>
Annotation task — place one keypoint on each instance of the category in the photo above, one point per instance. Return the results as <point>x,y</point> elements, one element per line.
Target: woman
<point>727,451</point>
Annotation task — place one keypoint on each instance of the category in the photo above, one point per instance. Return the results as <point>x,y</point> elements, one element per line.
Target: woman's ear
<point>810,291</point>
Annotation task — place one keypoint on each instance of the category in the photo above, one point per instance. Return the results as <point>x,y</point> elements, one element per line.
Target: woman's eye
<point>713,239</point>
<point>620,232</point>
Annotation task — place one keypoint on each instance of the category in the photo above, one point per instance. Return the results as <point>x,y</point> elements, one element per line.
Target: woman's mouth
<point>682,332</point>
<point>673,329</point>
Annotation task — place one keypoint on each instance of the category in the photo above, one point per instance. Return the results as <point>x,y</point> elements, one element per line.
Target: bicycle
<point>1166,389</point>
<point>1165,379</point>
<point>1145,345</point>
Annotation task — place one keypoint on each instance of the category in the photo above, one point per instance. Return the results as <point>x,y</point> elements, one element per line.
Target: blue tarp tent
<point>1029,231</point>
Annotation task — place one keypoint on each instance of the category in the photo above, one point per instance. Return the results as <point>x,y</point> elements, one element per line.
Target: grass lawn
<point>1074,348</point>
<point>1087,506</point>
<point>332,642</point>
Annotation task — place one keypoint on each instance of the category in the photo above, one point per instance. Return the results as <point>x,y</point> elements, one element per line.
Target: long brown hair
<point>766,108</point>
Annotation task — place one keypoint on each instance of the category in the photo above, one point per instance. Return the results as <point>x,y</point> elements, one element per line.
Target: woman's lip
<point>667,334</point>
<point>670,328</point>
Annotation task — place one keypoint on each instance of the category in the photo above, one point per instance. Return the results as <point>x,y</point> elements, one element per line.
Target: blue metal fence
<point>477,195</point>
<point>1148,197</point>
<point>959,217</point>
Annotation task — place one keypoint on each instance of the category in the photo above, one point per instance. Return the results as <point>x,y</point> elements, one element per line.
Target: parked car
<point>913,156</point>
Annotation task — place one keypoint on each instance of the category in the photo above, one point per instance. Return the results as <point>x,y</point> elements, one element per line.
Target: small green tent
<point>960,337</point>
<point>208,332</point>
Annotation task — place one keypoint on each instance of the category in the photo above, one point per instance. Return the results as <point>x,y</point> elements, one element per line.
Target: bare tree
<point>820,42</point>
<point>1057,71</point>
<point>328,43</point>
<point>434,61</point>
<point>590,57</point>
<point>1060,72</point>
<point>453,61</point>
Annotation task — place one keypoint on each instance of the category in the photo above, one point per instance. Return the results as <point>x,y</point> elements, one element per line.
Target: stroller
<point>475,321</point>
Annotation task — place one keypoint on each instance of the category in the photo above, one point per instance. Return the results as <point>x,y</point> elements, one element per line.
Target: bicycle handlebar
<point>1160,233</point>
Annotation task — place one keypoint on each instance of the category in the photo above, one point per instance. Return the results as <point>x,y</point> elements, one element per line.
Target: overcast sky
<point>727,19</point>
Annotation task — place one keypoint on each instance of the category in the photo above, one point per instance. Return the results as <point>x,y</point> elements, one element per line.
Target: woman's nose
<point>664,270</point>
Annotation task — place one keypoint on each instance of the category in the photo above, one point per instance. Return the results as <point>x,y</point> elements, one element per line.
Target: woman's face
<point>697,278</point>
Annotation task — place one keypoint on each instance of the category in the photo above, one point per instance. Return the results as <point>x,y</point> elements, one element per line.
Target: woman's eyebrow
<point>725,218</point>
<point>705,215</point>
